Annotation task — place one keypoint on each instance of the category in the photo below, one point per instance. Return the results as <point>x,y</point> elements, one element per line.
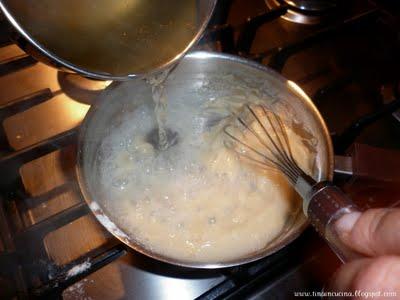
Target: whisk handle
<point>327,204</point>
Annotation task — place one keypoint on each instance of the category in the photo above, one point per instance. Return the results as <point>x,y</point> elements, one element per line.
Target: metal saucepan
<point>113,40</point>
<point>192,72</point>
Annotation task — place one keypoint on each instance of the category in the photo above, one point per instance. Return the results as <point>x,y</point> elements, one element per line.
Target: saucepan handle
<point>327,204</point>
<point>369,162</point>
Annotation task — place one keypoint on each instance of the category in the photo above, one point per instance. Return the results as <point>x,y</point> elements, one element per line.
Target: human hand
<point>374,233</point>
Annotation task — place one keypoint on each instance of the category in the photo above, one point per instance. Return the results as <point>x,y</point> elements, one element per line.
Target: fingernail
<point>346,222</point>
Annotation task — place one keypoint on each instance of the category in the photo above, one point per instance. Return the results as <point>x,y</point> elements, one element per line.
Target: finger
<point>373,232</point>
<point>373,275</point>
<point>343,278</point>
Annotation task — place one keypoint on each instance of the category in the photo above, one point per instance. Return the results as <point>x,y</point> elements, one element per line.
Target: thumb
<point>373,232</point>
<point>368,275</point>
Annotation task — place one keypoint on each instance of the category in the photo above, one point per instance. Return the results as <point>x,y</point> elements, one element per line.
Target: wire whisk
<point>259,135</point>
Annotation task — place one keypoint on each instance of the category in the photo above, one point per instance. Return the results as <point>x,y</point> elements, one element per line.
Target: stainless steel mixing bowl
<point>102,39</point>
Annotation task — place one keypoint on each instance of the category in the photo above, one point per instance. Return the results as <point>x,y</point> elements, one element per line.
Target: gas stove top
<point>346,60</point>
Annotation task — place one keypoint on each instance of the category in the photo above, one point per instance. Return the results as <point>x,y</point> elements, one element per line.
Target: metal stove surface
<point>52,247</point>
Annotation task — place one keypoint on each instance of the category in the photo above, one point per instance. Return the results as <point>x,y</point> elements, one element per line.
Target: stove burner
<point>80,88</point>
<point>30,269</point>
<point>311,5</point>
<point>304,11</point>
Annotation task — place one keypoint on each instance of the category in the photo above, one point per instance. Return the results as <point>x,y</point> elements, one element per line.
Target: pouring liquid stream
<point>157,83</point>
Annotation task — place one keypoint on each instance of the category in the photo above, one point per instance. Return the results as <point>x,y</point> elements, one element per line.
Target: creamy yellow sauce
<point>197,201</point>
